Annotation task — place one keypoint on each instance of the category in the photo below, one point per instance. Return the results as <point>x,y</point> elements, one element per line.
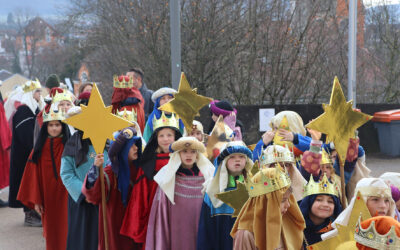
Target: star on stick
<point>339,121</point>
<point>186,103</point>
<point>97,122</point>
<point>235,198</point>
<point>345,233</point>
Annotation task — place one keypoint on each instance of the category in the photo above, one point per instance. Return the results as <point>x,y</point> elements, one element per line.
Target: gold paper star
<point>345,233</point>
<point>186,103</point>
<point>339,121</point>
<point>278,140</point>
<point>235,198</point>
<point>218,137</point>
<point>97,122</point>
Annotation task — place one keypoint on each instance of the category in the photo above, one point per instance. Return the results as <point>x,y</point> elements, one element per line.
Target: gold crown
<point>371,238</point>
<point>63,96</point>
<point>321,187</point>
<point>325,157</point>
<point>164,121</point>
<point>123,84</point>
<point>268,158</point>
<point>31,85</point>
<point>53,115</point>
<point>130,116</point>
<point>265,184</point>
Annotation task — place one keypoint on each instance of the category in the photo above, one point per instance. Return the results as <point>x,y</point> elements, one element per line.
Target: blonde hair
<point>295,121</point>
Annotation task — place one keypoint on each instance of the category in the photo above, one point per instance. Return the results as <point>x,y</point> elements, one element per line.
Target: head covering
<point>10,104</point>
<point>28,100</point>
<point>391,178</point>
<point>295,121</point>
<point>261,216</point>
<point>162,92</point>
<point>223,108</point>
<point>52,81</point>
<point>367,187</point>
<point>380,230</point>
<point>219,182</point>
<point>166,176</point>
<point>118,154</point>
<point>395,193</point>
<point>198,126</point>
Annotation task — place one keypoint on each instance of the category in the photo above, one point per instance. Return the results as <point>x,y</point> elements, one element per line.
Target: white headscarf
<point>219,182</point>
<point>165,178</point>
<point>28,100</point>
<point>9,105</point>
<point>296,124</point>
<point>391,178</point>
<point>367,187</point>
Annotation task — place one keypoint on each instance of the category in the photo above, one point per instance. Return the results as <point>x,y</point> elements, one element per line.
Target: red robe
<point>120,94</point>
<point>5,144</point>
<point>115,210</point>
<point>139,206</point>
<point>40,186</point>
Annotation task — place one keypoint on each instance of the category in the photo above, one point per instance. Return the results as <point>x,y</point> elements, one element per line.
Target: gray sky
<point>41,7</point>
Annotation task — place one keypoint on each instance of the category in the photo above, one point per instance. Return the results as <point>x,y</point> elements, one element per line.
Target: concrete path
<point>13,234</point>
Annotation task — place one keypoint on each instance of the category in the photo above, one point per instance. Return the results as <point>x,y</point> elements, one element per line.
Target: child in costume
<point>381,232</point>
<point>376,195</point>
<point>229,114</point>
<point>179,193</point>
<point>275,155</point>
<point>78,157</point>
<point>41,186</point>
<point>23,123</point>
<point>127,97</point>
<point>159,98</point>
<point>197,131</point>
<point>287,128</point>
<point>155,156</point>
<point>124,154</point>
<point>393,180</point>
<point>270,218</point>
<point>320,207</point>
<point>216,216</point>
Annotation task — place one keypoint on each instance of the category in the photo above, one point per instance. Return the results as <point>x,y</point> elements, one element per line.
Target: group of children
<point>163,189</point>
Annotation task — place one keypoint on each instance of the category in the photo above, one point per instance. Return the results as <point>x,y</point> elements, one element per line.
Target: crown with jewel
<point>325,157</point>
<point>164,121</point>
<point>63,96</point>
<point>123,82</point>
<point>321,187</point>
<point>371,238</point>
<point>53,115</point>
<point>31,85</point>
<point>275,154</point>
<point>130,116</point>
<point>265,184</point>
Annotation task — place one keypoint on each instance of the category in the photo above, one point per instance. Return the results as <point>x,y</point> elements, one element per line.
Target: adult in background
<point>23,123</point>
<point>52,81</point>
<point>138,83</point>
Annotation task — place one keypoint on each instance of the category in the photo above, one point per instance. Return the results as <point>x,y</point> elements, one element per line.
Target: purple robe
<point>175,226</point>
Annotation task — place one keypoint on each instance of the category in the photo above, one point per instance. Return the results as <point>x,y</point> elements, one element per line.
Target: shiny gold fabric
<point>261,215</point>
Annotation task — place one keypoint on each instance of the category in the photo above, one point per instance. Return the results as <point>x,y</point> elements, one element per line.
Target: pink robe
<point>175,226</point>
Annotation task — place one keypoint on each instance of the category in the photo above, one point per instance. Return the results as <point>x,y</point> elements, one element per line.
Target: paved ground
<point>13,234</point>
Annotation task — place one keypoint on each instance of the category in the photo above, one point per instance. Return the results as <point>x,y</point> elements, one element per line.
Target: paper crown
<point>130,116</point>
<point>265,184</point>
<point>31,85</point>
<point>321,187</point>
<point>325,157</point>
<point>369,237</point>
<point>272,155</point>
<point>53,115</point>
<point>63,96</point>
<point>123,82</point>
<point>164,121</point>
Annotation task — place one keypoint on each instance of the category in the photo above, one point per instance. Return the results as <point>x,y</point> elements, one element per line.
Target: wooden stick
<point>343,187</point>
<point>103,206</point>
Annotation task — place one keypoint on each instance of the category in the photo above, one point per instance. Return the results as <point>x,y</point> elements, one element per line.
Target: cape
<point>5,144</point>
<point>41,184</point>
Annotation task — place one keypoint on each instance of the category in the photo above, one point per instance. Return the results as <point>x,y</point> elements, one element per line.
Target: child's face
<point>164,99</point>
<point>378,206</point>
<point>197,134</point>
<point>165,137</point>
<point>188,157</point>
<point>323,207</point>
<point>54,128</point>
<point>285,204</point>
<point>64,106</point>
<point>235,164</point>
<point>326,169</point>
<point>133,153</point>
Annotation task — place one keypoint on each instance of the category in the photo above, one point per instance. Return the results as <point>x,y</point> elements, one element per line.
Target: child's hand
<point>268,136</point>
<point>39,209</point>
<point>315,135</point>
<point>99,160</point>
<point>286,135</point>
